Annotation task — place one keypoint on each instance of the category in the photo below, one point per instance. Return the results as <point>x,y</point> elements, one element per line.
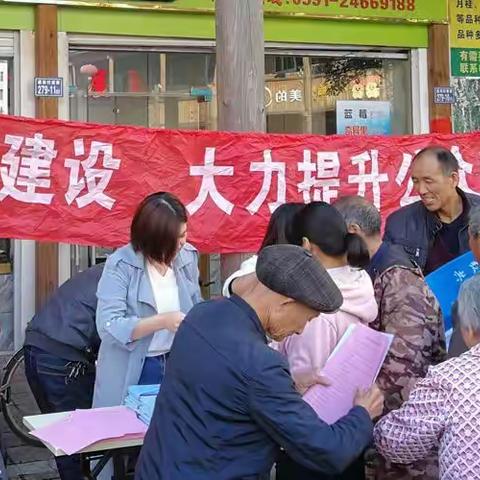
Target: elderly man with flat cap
<point>228,404</point>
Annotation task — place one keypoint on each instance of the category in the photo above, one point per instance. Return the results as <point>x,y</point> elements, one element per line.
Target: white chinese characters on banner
<point>268,167</point>
<point>403,173</point>
<point>363,178</point>
<point>86,174</point>
<point>322,176</point>
<point>26,171</point>
<point>26,175</point>
<point>464,168</point>
<point>208,172</point>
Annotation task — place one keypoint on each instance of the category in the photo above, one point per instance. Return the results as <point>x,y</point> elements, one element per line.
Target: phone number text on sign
<point>350,4</point>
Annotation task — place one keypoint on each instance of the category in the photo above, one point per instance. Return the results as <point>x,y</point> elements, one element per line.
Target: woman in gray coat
<point>146,289</point>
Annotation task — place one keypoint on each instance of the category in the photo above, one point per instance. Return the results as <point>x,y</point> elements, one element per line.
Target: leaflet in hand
<point>355,363</point>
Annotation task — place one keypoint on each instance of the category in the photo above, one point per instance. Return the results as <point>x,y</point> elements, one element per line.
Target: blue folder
<point>446,281</point>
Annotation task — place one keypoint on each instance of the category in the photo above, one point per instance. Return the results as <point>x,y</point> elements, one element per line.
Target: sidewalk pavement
<point>24,462</point>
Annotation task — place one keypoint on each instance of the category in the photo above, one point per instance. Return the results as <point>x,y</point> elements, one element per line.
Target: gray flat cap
<point>293,272</point>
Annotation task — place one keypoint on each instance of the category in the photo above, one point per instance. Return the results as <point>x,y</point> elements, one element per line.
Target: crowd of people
<point>233,370</point>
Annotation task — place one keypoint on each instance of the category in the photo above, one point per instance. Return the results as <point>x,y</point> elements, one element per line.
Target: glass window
<point>6,245</point>
<point>302,93</point>
<point>148,89</point>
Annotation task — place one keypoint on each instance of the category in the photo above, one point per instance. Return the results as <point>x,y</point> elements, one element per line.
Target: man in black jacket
<point>61,344</point>
<point>434,230</point>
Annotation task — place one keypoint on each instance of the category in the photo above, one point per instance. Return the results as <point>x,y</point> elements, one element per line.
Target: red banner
<point>80,183</point>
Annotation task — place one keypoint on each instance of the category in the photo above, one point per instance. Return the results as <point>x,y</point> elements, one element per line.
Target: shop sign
<point>443,95</point>
<point>465,62</point>
<point>465,37</point>
<point>48,87</point>
<point>427,11</point>
<point>408,10</point>
<point>363,117</point>
<point>284,96</point>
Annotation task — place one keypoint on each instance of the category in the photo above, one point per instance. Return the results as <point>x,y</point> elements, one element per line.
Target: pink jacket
<point>312,348</point>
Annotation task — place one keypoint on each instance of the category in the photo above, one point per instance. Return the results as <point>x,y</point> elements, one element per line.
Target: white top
<point>165,293</point>
<point>246,268</point>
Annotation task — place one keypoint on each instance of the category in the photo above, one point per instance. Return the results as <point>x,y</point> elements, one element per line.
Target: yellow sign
<point>416,11</point>
<point>464,23</point>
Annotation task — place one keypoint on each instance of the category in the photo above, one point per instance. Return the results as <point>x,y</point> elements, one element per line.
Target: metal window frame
<point>128,43</point>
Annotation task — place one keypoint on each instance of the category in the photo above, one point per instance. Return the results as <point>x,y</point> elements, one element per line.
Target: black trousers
<point>57,389</point>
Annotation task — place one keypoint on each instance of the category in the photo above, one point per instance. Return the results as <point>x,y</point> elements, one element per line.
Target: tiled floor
<point>24,462</point>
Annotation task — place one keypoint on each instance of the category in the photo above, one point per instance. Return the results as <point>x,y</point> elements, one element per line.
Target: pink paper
<point>354,364</point>
<point>83,428</point>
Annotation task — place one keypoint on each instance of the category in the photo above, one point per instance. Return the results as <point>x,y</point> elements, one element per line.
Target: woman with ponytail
<point>321,229</point>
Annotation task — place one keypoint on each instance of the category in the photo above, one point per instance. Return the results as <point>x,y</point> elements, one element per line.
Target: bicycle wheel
<point>16,399</point>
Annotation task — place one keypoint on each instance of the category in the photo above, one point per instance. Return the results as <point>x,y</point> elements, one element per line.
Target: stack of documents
<point>145,412</point>
<point>353,365</point>
<point>137,392</point>
<point>141,399</point>
<point>82,428</point>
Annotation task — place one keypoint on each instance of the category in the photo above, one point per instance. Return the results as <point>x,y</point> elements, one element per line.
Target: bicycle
<point>16,399</point>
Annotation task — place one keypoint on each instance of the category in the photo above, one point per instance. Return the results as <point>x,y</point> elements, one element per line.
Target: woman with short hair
<point>443,411</point>
<point>145,291</point>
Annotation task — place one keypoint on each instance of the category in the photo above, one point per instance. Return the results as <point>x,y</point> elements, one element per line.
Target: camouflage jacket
<point>409,310</point>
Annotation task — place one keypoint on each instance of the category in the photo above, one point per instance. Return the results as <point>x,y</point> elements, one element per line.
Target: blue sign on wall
<point>48,87</point>
<point>363,117</point>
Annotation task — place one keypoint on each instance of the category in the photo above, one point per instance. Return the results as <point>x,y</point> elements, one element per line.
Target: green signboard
<point>465,38</point>
<point>465,62</point>
<point>424,11</point>
<point>407,10</point>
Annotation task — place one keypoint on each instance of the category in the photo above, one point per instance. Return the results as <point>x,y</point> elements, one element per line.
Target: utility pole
<point>240,77</point>
<point>46,65</point>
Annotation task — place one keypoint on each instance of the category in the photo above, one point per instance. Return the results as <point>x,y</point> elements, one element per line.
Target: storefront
<point>357,67</point>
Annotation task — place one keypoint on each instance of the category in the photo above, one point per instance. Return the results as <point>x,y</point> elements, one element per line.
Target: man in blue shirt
<point>228,403</point>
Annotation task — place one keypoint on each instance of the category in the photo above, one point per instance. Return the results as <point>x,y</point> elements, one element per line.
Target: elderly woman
<point>443,411</point>
<point>457,345</point>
